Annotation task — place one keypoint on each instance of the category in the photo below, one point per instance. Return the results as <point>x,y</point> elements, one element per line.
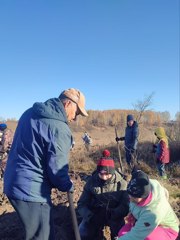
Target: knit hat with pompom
<point>106,163</point>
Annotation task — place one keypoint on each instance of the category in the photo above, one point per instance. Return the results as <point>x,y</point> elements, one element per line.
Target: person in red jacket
<point>161,151</point>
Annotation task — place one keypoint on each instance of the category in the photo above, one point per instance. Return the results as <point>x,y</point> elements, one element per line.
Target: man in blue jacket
<point>131,139</point>
<point>38,161</point>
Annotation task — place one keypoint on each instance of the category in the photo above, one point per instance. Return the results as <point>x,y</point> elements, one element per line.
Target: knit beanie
<point>139,185</point>
<point>106,163</point>
<point>129,118</point>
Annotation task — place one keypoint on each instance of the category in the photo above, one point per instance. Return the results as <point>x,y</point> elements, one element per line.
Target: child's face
<point>135,200</point>
<point>104,175</point>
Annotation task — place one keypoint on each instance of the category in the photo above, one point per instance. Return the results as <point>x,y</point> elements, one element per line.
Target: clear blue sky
<point>115,51</point>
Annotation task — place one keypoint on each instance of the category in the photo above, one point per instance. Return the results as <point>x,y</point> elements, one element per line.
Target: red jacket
<point>162,152</point>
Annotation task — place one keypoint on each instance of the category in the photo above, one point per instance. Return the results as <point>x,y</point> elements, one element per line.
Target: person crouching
<point>151,217</point>
<point>104,201</point>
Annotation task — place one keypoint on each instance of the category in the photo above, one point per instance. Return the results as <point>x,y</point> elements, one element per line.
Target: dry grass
<point>80,160</point>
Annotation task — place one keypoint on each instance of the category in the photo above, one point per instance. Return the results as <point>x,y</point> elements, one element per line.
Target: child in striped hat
<point>105,166</point>
<point>104,201</point>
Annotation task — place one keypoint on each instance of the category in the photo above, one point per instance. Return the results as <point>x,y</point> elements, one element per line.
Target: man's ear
<point>66,104</point>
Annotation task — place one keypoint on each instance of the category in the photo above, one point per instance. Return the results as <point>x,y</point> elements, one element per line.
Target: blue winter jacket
<point>38,159</point>
<point>131,136</point>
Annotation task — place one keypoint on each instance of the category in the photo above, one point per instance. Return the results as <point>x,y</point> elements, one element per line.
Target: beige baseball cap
<point>76,96</point>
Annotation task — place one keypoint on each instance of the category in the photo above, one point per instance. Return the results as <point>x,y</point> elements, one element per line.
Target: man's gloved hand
<point>119,139</point>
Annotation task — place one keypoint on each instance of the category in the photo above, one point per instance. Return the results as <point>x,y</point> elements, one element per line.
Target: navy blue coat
<point>131,136</point>
<point>38,159</point>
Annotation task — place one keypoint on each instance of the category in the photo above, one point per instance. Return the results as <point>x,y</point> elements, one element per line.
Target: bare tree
<point>142,105</point>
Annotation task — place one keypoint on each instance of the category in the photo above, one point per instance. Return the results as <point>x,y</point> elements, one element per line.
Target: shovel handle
<point>73,215</point>
<point>119,152</point>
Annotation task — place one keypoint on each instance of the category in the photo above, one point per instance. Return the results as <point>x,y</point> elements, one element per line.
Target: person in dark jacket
<point>6,137</point>
<point>38,161</point>
<point>131,139</point>
<point>3,127</point>
<point>104,201</point>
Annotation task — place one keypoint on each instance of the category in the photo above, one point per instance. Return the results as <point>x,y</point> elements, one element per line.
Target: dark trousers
<point>161,169</point>
<point>131,158</point>
<point>128,157</point>
<point>36,218</point>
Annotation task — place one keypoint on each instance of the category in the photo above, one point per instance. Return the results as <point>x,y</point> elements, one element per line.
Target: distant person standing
<point>6,137</point>
<point>3,127</point>
<point>38,161</point>
<point>161,149</point>
<point>131,139</point>
<point>87,140</point>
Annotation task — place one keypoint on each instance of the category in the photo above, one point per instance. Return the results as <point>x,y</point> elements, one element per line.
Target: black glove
<point>119,139</point>
<point>154,148</point>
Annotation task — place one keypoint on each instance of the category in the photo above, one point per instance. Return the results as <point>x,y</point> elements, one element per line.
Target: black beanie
<point>130,117</point>
<point>106,163</point>
<point>139,185</point>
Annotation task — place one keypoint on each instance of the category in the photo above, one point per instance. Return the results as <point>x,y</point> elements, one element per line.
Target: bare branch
<point>142,105</point>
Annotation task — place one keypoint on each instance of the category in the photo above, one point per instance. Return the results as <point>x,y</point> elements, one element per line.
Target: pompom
<point>106,153</point>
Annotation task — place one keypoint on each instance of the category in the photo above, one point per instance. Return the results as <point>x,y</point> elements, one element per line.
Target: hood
<point>52,109</point>
<point>160,134</point>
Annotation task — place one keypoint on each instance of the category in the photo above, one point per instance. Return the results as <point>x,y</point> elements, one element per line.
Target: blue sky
<point>115,52</point>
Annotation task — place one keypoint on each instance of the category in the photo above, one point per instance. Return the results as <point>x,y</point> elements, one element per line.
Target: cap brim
<point>83,112</point>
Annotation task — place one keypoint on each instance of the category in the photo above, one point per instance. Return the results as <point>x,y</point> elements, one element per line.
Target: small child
<point>161,151</point>
<point>151,217</point>
<point>104,201</point>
